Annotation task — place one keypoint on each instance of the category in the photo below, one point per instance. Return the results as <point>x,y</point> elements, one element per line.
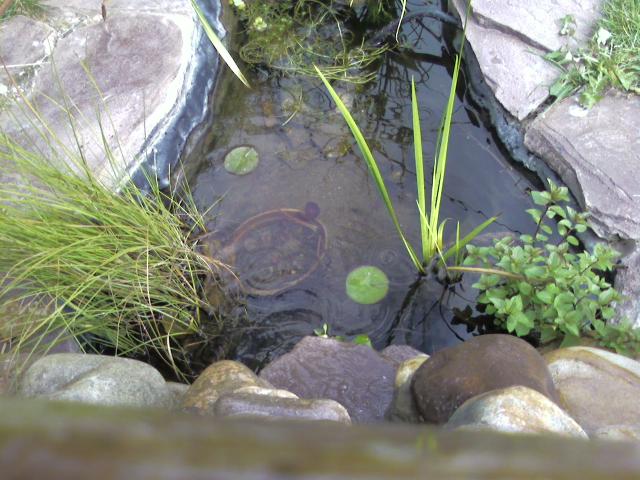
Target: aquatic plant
<point>292,35</point>
<point>115,270</point>
<point>241,160</point>
<point>431,229</point>
<point>360,339</point>
<point>367,285</point>
<point>611,59</point>
<point>538,285</point>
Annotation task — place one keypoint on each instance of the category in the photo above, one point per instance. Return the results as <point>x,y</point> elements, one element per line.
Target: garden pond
<point>309,165</point>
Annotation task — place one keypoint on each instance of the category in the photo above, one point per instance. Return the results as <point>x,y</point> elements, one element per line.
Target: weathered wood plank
<point>66,441</point>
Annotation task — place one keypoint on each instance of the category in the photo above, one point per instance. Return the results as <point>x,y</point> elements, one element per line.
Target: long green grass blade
<point>218,45</point>
<point>373,167</point>
<point>425,237</point>
<point>460,244</point>
<point>402,14</point>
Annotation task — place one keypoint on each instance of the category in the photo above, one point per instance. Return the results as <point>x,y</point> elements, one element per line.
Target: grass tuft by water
<point>113,270</point>
<point>612,58</point>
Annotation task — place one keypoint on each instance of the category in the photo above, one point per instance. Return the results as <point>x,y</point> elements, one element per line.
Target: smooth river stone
<point>260,405</point>
<point>355,376</point>
<point>453,375</point>
<point>514,410</point>
<point>597,388</point>
<point>216,380</point>
<point>403,407</point>
<point>399,354</point>
<point>95,379</point>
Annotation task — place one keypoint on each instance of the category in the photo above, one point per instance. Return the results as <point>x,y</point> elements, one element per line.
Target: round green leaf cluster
<point>548,289</point>
<point>241,160</point>
<point>367,285</point>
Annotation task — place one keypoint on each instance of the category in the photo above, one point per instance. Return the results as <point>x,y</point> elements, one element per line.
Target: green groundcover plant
<point>611,59</point>
<point>539,285</point>
<point>432,229</point>
<point>9,8</point>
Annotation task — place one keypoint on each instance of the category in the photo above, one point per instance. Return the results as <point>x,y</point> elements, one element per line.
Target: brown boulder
<point>488,362</point>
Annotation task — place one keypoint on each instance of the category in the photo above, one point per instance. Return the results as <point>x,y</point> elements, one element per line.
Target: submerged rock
<point>488,362</point>
<point>597,388</point>
<point>216,380</point>
<point>95,379</point>
<point>355,376</point>
<point>516,410</point>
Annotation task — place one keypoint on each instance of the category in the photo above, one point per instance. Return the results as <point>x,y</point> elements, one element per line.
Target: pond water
<point>307,155</point>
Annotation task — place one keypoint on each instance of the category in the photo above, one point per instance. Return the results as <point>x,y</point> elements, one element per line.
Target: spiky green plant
<point>431,229</point>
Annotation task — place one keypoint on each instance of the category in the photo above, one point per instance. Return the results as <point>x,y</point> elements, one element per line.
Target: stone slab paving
<point>141,60</point>
<point>597,154</point>
<point>32,48</point>
<point>509,38</point>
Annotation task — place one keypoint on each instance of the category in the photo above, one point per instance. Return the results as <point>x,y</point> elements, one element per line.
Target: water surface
<point>307,154</point>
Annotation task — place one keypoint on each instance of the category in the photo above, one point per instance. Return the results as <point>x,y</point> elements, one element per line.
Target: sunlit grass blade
<point>373,167</point>
<point>402,14</point>
<point>417,146</point>
<point>460,244</point>
<point>218,45</point>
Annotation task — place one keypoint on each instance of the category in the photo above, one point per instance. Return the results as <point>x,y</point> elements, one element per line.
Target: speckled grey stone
<point>596,153</point>
<point>253,405</point>
<point>597,388</point>
<point>510,38</point>
<point>24,43</point>
<point>355,376</point>
<point>95,379</point>
<point>515,410</point>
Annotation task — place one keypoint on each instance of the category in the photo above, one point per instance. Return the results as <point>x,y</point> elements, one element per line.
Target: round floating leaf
<point>367,285</point>
<point>241,160</point>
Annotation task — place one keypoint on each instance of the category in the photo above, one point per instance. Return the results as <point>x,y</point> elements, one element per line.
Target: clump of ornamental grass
<point>115,270</point>
<point>432,228</point>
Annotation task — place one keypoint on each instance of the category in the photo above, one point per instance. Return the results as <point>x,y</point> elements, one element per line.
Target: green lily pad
<point>241,160</point>
<point>367,285</point>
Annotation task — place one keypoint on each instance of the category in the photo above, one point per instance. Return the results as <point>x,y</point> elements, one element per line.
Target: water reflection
<point>307,155</point>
